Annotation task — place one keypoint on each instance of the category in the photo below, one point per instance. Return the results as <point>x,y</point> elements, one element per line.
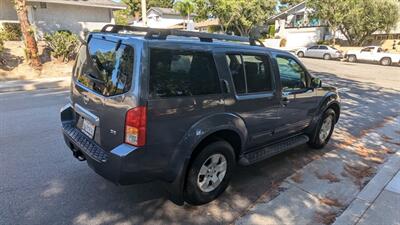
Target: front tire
<point>323,130</point>
<point>352,58</point>
<point>209,173</point>
<point>300,54</point>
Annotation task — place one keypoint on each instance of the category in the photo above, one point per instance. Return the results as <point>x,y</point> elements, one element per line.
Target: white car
<point>319,51</point>
<point>373,54</point>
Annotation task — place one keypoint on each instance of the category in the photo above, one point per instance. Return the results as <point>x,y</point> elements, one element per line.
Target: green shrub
<point>1,42</point>
<point>324,42</point>
<point>62,44</point>
<point>11,32</point>
<point>271,31</point>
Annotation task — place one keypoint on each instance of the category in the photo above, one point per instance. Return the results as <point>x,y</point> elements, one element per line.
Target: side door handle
<point>285,99</point>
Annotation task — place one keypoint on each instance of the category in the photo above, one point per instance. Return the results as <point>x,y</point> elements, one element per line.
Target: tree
<point>133,8</point>
<point>357,19</point>
<point>252,13</point>
<point>32,52</point>
<point>238,15</point>
<point>368,16</point>
<point>160,3</point>
<point>185,8</point>
<point>332,11</point>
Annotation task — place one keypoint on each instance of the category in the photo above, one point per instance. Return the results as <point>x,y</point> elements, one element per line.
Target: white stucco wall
<point>7,11</point>
<point>154,20</point>
<point>69,17</point>
<point>302,37</point>
<point>55,17</point>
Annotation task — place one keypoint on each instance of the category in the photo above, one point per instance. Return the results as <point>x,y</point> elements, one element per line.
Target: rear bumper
<point>125,164</point>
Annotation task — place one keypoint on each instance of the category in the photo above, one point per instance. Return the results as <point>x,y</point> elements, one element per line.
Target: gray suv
<point>187,107</point>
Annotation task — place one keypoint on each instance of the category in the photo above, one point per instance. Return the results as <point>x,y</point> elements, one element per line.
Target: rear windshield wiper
<point>94,78</point>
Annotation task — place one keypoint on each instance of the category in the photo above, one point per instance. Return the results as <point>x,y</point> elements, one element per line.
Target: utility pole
<point>144,12</point>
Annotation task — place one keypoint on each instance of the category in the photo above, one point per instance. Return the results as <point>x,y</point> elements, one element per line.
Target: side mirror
<point>316,82</point>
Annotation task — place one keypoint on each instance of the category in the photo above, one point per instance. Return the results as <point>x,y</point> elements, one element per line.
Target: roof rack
<point>162,34</point>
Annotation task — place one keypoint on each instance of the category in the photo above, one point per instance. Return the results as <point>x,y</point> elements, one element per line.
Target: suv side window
<point>293,76</point>
<point>250,73</point>
<point>176,73</point>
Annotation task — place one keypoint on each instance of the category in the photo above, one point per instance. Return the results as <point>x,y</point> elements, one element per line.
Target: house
<point>78,16</point>
<point>158,17</point>
<point>300,30</point>
<point>208,25</point>
<point>297,28</point>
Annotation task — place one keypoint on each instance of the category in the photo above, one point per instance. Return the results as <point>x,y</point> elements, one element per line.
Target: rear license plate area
<point>88,128</point>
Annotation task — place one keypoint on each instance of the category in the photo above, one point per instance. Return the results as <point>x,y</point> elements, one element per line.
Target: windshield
<point>109,69</point>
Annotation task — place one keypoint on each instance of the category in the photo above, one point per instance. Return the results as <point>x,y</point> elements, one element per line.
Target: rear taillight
<point>135,126</point>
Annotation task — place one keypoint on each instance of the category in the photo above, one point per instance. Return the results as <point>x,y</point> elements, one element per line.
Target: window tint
<point>182,73</point>
<point>293,77</point>
<point>109,69</point>
<point>250,74</point>
<point>313,47</point>
<point>258,75</point>
<point>369,49</point>
<point>323,47</point>
<point>237,71</point>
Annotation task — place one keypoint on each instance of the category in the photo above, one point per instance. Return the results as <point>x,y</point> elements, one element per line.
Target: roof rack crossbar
<point>162,34</point>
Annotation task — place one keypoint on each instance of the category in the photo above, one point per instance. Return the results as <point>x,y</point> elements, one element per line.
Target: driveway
<point>41,183</point>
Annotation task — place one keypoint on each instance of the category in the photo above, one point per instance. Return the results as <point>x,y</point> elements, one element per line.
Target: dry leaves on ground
<point>329,176</point>
<point>331,202</point>
<point>325,217</point>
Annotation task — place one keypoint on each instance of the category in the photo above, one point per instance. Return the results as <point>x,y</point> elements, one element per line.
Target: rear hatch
<point>102,79</point>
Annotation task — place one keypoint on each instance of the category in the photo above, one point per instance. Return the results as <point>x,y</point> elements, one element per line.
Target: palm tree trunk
<point>144,12</point>
<point>28,34</point>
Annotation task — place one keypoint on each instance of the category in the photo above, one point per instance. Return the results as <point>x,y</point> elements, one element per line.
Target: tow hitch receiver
<point>78,154</point>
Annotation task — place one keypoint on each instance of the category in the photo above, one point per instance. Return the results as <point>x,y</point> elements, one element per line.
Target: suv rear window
<point>109,69</point>
<point>182,73</point>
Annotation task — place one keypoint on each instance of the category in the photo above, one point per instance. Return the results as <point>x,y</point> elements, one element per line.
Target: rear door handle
<point>285,100</point>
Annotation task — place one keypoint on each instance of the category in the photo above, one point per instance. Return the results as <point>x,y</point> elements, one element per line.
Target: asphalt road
<point>41,183</point>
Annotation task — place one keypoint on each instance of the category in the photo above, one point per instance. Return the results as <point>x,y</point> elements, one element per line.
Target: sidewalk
<point>332,189</point>
<point>35,84</point>
<point>378,202</point>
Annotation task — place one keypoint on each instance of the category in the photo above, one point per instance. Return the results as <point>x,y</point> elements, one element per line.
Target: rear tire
<point>209,173</point>
<point>327,57</point>
<point>352,58</point>
<point>386,61</point>
<point>300,54</point>
<point>323,130</point>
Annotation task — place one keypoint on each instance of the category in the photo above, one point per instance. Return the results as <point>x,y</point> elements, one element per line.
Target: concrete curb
<point>35,84</point>
<point>370,192</point>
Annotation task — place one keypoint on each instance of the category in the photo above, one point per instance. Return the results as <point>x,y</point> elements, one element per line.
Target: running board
<point>271,150</point>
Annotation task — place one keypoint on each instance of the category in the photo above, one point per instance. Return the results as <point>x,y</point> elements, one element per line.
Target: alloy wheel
<point>212,172</point>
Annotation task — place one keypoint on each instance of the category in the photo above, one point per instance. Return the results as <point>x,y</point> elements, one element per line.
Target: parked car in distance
<point>180,107</point>
<point>373,54</point>
<point>319,51</point>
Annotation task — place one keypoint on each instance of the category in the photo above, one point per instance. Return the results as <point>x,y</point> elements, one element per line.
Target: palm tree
<point>185,8</point>
<point>32,52</point>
